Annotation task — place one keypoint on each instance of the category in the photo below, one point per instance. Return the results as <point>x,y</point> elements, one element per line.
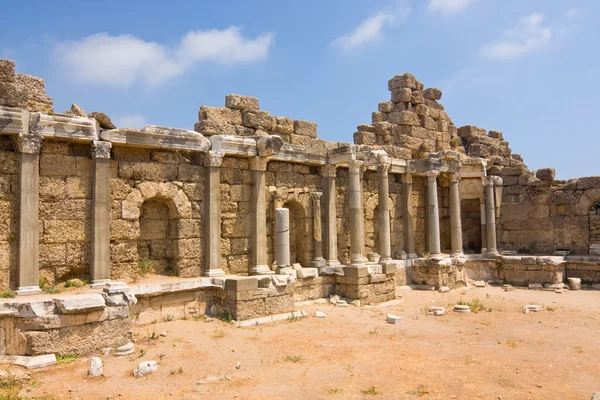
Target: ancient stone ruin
<point>257,212</point>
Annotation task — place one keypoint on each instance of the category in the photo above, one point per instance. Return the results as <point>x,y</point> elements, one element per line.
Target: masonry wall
<point>9,211</point>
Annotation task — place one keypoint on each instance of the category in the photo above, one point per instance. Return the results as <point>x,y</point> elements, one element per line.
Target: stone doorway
<point>470,212</point>
<point>299,234</point>
<point>594,229</point>
<point>155,245</point>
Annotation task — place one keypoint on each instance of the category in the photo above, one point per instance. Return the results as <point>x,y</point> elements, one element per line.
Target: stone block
<point>305,128</point>
<point>304,273</point>
<point>283,125</point>
<point>401,95</point>
<point>403,81</point>
<point>355,272</point>
<point>238,102</point>
<point>385,107</point>
<point>404,118</point>
<point>258,119</point>
<point>7,70</point>
<point>12,96</point>
<point>432,94</point>
<point>144,368</point>
<point>394,319</point>
<point>240,283</point>
<point>80,304</point>
<point>546,174</point>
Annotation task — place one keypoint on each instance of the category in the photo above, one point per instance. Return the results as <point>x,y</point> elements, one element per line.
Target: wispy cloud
<point>448,7</point>
<point>121,61</point>
<point>130,121</point>
<point>527,37</point>
<point>370,29</point>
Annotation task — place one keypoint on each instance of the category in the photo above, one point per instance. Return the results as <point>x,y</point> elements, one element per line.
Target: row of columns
<point>29,145</point>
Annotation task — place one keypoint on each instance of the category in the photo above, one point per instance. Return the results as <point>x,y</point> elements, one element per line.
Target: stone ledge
<point>149,138</point>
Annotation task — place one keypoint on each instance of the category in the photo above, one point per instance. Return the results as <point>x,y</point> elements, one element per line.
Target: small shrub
<point>12,238</point>
<point>7,294</point>
<point>142,353</point>
<point>42,283</point>
<point>145,266</point>
<point>218,334</point>
<point>294,359</point>
<point>293,318</point>
<point>475,305</point>
<point>335,391</point>
<point>227,316</point>
<point>532,247</point>
<point>72,283</point>
<point>52,289</point>
<point>176,371</point>
<point>371,391</point>
<point>455,142</point>
<point>66,358</point>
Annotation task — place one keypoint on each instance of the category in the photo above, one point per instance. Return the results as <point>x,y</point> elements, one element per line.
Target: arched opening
<point>299,234</point>
<point>471,225</point>
<point>594,228</point>
<point>155,245</point>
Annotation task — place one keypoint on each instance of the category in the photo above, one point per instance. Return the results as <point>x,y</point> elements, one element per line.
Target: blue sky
<point>528,68</point>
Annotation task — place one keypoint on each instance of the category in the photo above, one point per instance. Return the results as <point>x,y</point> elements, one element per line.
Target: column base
<point>318,262</point>
<point>28,290</point>
<point>213,272</point>
<point>383,260</point>
<point>458,254</point>
<point>262,270</point>
<point>332,263</point>
<point>412,256</point>
<point>483,250</point>
<point>436,256</point>
<point>99,283</point>
<point>492,253</point>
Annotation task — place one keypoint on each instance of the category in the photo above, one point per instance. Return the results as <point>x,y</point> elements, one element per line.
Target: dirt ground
<point>497,353</point>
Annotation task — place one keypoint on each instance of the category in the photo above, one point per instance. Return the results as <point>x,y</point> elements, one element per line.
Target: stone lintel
<point>78,129</point>
<point>300,154</point>
<point>192,141</point>
<point>398,166</point>
<point>233,145</point>
<point>342,155</point>
<point>13,121</point>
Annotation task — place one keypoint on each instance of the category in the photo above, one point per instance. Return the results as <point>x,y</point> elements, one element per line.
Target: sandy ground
<point>498,353</point>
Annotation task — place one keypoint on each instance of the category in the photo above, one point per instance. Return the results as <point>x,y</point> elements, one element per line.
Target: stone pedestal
<point>318,260</point>
<point>100,266</point>
<point>490,217</point>
<point>212,215</point>
<point>328,171</point>
<point>407,216</point>
<point>258,239</point>
<point>433,216</point>
<point>29,145</point>
<point>385,244</point>
<point>282,238</point>
<point>357,223</point>
<point>455,221</point>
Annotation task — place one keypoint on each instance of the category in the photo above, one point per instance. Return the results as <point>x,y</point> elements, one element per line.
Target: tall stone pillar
<point>455,220</point>
<point>29,145</point>
<point>385,243</point>
<point>328,171</point>
<point>318,260</point>
<point>407,216</point>
<point>357,217</point>
<point>100,267</point>
<point>258,239</point>
<point>483,225</point>
<point>282,238</point>
<point>490,216</point>
<point>433,215</point>
<point>212,215</point>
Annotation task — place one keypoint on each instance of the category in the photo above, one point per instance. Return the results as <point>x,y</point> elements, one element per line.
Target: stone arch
<point>169,238</point>
<point>300,237</point>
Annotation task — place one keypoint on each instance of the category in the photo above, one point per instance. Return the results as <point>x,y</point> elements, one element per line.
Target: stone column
<point>328,171</point>
<point>407,216</point>
<point>212,215</point>
<point>29,145</point>
<point>282,238</point>
<point>483,225</point>
<point>385,243</point>
<point>433,215</point>
<point>318,260</point>
<point>490,216</point>
<point>455,221</point>
<point>100,267</point>
<point>258,239</point>
<point>357,217</point>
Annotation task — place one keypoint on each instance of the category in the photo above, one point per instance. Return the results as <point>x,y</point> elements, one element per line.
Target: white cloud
<point>130,121</point>
<point>448,7</point>
<point>573,13</point>
<point>369,29</point>
<point>123,60</point>
<point>527,37</point>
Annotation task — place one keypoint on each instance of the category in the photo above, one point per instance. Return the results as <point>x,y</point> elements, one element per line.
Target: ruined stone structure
<point>263,213</point>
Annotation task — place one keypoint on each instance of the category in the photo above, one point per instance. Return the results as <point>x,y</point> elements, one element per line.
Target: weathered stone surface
<point>103,120</point>
<point>239,102</point>
<point>432,94</point>
<point>403,81</point>
<point>95,367</point>
<point>75,111</point>
<point>546,174</point>
<point>144,368</point>
<point>305,128</point>
<point>7,70</point>
<point>401,95</point>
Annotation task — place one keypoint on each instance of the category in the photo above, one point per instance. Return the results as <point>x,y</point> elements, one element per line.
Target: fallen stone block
<point>532,307</point>
<point>304,273</point>
<point>144,368</point>
<point>535,286</point>
<point>394,319</point>
<point>444,289</point>
<point>31,362</point>
<point>355,303</point>
<point>125,350</point>
<point>437,311</point>
<point>479,284</point>
<point>341,303</point>
<point>80,304</point>
<point>508,288</point>
<point>319,314</point>
<point>574,283</point>
<point>95,367</point>
<point>462,308</point>
<point>554,286</point>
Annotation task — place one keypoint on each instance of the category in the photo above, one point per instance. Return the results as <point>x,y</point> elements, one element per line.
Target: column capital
<point>432,174</point>
<point>315,196</point>
<point>28,143</point>
<point>355,166</point>
<point>384,166</point>
<point>489,181</point>
<point>328,170</point>
<point>407,178</point>
<point>213,158</point>
<point>101,149</point>
<point>258,163</point>
<point>454,177</point>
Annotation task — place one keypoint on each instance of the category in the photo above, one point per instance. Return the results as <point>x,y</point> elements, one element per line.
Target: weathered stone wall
<point>9,211</point>
<point>22,91</point>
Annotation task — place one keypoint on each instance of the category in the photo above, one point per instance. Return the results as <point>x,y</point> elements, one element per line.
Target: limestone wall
<point>9,208</point>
